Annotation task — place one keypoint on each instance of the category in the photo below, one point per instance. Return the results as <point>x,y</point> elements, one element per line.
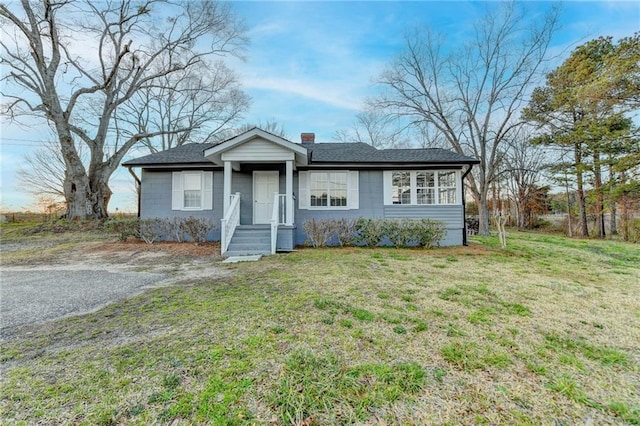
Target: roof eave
<point>207,164</point>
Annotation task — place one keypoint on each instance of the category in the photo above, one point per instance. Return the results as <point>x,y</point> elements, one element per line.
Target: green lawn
<point>544,332</point>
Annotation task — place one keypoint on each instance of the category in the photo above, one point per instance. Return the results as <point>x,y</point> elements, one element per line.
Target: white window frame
<point>206,190</point>
<point>304,186</point>
<point>388,187</point>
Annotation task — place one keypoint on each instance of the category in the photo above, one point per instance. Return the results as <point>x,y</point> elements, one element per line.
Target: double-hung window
<point>447,187</point>
<point>425,187</point>
<point>421,187</point>
<point>192,190</point>
<point>330,190</point>
<point>401,188</point>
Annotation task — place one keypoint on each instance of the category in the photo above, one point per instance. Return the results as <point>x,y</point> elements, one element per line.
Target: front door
<point>265,184</point>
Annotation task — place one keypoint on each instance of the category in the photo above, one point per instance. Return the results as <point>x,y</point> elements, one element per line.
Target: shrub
<point>370,231</point>
<point>344,231</point>
<point>634,230</point>
<point>149,230</point>
<point>318,232</point>
<point>171,228</point>
<point>430,232</point>
<point>125,228</point>
<point>197,228</point>
<point>400,232</point>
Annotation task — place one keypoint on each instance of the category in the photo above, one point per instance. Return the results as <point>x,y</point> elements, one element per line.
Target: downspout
<point>464,207</point>
<point>139,186</point>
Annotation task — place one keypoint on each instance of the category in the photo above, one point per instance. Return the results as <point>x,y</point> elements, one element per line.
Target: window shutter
<point>207,203</point>
<point>303,190</point>
<point>387,189</point>
<point>353,199</point>
<point>177,196</point>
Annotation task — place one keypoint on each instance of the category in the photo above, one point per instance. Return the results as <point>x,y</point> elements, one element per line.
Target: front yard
<point>544,332</point>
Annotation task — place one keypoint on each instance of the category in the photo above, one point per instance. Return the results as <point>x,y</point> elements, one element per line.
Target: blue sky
<point>310,65</point>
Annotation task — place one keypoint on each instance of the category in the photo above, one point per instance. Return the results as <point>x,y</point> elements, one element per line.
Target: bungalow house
<point>261,187</point>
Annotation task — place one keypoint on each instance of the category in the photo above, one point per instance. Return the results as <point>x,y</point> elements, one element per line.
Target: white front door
<point>265,184</point>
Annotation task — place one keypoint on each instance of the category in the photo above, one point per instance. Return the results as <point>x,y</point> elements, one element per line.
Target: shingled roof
<point>191,153</point>
<point>319,153</point>
<point>363,153</point>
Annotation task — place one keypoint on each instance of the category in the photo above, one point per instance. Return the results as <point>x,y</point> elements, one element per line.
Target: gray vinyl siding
<point>451,215</point>
<point>155,199</point>
<point>372,206</point>
<point>156,203</point>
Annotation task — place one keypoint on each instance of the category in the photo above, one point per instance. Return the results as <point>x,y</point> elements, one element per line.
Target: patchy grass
<point>544,332</point>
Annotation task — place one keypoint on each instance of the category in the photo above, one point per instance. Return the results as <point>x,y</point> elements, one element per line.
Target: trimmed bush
<point>148,230</point>
<point>177,229</point>
<point>318,232</point>
<point>370,231</point>
<point>197,228</point>
<point>430,232</point>
<point>125,228</point>
<point>344,230</point>
<point>400,232</point>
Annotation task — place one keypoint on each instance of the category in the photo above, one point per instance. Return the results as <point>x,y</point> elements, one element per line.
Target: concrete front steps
<point>249,240</point>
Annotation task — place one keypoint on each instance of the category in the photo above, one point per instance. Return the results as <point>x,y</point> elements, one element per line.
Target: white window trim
<point>353,195</point>
<point>206,191</point>
<point>388,187</point>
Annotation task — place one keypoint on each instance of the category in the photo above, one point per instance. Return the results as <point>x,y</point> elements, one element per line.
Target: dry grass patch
<point>545,332</point>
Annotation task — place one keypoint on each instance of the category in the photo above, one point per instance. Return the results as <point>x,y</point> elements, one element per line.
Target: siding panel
<point>155,201</point>
<point>451,215</point>
<point>258,150</point>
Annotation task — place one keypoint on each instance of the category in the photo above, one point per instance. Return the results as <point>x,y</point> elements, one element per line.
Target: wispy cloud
<point>312,90</point>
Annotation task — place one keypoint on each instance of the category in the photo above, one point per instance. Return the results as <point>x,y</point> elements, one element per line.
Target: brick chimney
<point>308,137</point>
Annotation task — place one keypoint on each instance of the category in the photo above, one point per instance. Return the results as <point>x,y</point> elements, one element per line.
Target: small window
<point>192,190</point>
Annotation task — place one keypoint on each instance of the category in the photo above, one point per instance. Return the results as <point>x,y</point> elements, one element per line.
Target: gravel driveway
<point>31,296</point>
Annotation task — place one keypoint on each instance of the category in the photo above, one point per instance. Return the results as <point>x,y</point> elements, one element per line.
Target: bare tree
<point>272,127</point>
<point>81,65</point>
<point>523,163</point>
<point>43,170</point>
<point>472,94</point>
<point>203,100</point>
<point>376,128</point>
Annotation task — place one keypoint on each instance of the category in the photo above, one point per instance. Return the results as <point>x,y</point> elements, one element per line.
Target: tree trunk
<point>569,221</point>
<point>87,197</point>
<point>102,195</point>
<point>597,186</point>
<point>584,227</point>
<point>613,223</point>
<point>76,194</point>
<point>624,213</point>
<point>483,215</point>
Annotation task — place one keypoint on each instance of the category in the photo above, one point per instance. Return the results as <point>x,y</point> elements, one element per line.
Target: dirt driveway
<point>39,288</point>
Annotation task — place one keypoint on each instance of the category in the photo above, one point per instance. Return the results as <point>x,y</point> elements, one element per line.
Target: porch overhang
<point>256,146</point>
